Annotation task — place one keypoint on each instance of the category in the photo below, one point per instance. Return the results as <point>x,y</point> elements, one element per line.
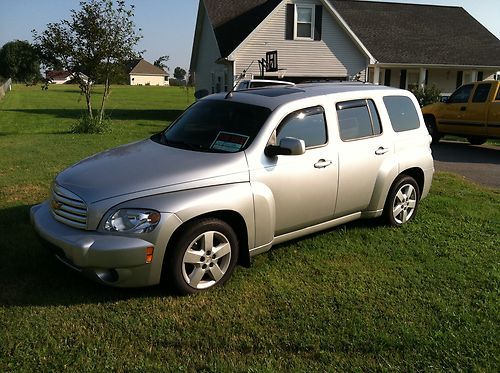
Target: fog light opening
<point>149,254</point>
<point>107,275</point>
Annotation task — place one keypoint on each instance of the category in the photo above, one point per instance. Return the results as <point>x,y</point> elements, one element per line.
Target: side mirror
<point>445,99</point>
<point>287,146</point>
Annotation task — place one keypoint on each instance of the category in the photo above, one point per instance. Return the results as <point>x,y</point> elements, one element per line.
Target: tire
<point>402,201</point>
<point>476,140</point>
<point>203,256</point>
<point>430,123</point>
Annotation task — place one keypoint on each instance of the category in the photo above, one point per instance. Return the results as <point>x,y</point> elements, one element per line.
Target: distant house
<point>144,73</point>
<point>62,77</point>
<point>400,45</point>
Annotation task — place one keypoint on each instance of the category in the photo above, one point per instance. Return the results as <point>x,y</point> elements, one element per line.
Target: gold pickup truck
<point>472,111</point>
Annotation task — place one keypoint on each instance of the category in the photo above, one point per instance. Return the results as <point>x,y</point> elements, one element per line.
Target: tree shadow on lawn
<point>164,115</point>
<point>31,276</point>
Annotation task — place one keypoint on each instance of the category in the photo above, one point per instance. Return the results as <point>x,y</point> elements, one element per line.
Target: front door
<point>304,186</point>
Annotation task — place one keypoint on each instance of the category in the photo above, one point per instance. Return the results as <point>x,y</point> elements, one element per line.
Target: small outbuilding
<point>144,73</point>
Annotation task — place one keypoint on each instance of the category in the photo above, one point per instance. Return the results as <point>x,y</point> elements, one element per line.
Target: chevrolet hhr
<point>233,175</point>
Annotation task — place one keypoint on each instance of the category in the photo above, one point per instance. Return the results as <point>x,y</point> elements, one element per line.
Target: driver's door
<point>304,186</point>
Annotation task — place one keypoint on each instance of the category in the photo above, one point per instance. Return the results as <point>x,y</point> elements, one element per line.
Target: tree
<point>161,62</point>
<point>179,73</point>
<point>98,39</point>
<point>19,60</point>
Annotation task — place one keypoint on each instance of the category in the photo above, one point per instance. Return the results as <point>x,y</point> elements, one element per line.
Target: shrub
<point>428,96</point>
<point>86,124</point>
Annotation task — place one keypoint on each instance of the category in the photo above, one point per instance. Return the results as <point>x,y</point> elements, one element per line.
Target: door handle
<point>322,163</point>
<point>381,150</point>
<point>463,108</point>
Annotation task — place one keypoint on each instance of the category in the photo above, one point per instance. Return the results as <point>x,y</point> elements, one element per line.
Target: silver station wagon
<point>233,175</point>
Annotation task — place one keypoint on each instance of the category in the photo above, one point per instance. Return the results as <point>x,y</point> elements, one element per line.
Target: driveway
<point>480,164</point>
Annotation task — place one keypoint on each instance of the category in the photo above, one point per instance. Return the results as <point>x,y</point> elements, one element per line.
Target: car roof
<point>272,97</point>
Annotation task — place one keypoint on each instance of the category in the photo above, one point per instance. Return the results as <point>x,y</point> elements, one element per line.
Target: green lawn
<point>359,297</point>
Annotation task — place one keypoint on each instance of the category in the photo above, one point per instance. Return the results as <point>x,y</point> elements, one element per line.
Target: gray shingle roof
<point>234,20</point>
<point>421,34</point>
<point>145,68</point>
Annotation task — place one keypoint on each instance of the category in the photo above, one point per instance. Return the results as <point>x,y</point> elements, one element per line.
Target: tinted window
<point>402,113</point>
<point>358,119</point>
<point>481,93</point>
<point>217,126</point>
<point>461,95</point>
<point>307,124</point>
<point>498,95</point>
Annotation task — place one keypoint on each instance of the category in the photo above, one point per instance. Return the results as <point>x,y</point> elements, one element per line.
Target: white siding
<point>148,80</point>
<point>209,74</point>
<point>335,55</point>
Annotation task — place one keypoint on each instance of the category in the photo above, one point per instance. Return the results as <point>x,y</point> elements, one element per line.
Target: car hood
<point>147,167</point>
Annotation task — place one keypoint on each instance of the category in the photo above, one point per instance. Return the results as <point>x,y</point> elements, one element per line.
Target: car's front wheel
<point>203,256</point>
<point>402,202</point>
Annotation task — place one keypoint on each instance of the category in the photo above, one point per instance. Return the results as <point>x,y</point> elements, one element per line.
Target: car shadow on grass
<point>167,115</point>
<point>31,276</point>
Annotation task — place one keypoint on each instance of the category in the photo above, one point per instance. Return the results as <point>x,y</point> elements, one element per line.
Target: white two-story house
<point>400,45</point>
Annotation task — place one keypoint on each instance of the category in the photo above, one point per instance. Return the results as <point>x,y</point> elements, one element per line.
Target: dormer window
<point>304,26</point>
<point>303,22</point>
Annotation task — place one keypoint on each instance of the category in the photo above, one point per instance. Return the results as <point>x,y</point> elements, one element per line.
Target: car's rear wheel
<point>430,123</point>
<point>476,140</point>
<point>402,202</point>
<point>204,255</point>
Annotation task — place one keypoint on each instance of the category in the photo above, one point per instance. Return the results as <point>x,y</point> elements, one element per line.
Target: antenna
<point>230,93</point>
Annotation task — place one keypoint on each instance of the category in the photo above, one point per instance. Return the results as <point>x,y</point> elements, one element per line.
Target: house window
<point>412,80</point>
<point>304,25</point>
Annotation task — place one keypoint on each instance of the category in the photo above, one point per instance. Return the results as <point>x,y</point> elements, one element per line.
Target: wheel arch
<point>417,174</point>
<point>230,217</point>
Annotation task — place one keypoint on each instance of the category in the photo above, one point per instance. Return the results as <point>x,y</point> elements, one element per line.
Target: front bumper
<point>106,258</point>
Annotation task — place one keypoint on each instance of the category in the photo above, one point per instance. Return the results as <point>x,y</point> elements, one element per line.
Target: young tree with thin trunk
<point>97,40</point>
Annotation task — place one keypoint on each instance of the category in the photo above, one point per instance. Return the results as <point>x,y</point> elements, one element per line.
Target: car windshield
<point>216,126</point>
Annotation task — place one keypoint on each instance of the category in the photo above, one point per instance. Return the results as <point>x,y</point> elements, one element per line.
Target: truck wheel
<point>476,140</point>
<point>203,256</point>
<point>402,202</point>
<point>430,123</point>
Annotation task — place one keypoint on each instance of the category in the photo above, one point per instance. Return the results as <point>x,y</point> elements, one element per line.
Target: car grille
<point>68,208</point>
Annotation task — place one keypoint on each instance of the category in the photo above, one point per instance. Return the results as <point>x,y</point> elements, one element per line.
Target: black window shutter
<point>402,80</point>
<point>387,77</point>
<point>460,77</point>
<point>480,76</point>
<point>318,18</point>
<point>426,77</point>
<point>290,20</point>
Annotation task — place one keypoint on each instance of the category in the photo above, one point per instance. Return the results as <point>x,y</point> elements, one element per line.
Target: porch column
<point>421,79</point>
<point>376,74</point>
<point>473,75</point>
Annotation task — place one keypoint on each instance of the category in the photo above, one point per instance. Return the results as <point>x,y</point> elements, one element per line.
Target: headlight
<point>133,221</point>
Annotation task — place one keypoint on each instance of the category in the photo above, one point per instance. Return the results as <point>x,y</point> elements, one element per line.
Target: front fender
<point>189,204</point>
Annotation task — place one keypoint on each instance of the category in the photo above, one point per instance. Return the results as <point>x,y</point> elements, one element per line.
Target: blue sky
<point>168,25</point>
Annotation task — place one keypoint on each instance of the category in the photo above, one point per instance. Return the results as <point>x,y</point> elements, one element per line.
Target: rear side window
<point>358,119</point>
<point>306,124</point>
<point>402,113</point>
<point>498,95</point>
<point>482,92</point>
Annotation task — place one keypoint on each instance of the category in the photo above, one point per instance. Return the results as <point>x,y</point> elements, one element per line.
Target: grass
<point>359,297</point>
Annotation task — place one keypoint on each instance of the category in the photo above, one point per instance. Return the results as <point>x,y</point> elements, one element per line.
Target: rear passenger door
<point>475,114</point>
<point>362,150</point>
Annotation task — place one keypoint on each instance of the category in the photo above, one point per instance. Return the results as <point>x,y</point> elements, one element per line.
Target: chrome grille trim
<point>71,209</point>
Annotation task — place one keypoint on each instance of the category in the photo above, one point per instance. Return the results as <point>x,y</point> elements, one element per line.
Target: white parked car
<point>234,175</point>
